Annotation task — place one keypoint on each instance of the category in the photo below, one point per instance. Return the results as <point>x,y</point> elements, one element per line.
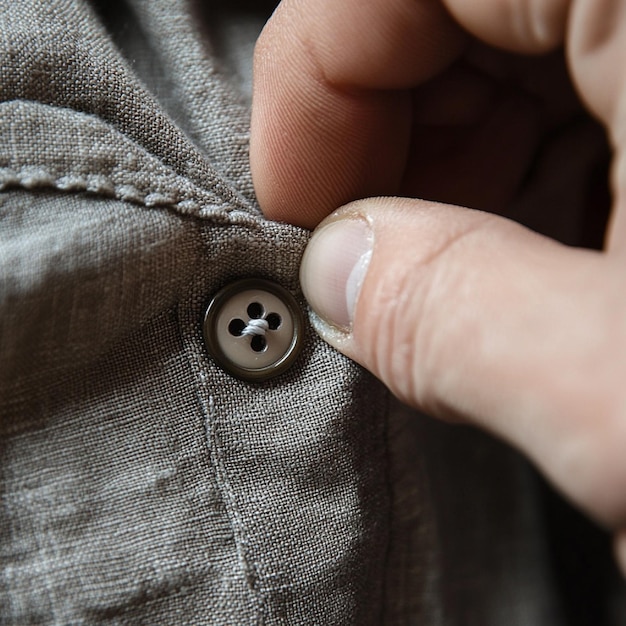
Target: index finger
<point>331,112</point>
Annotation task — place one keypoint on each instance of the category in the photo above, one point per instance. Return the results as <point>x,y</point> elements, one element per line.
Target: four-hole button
<point>253,329</point>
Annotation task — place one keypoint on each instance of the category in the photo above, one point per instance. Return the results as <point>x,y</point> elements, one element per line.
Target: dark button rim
<point>210,330</point>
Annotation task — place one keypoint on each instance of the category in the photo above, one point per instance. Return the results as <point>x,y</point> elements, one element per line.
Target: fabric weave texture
<point>139,482</point>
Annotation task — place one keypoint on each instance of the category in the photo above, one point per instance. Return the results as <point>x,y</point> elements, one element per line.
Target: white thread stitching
<point>255,328</point>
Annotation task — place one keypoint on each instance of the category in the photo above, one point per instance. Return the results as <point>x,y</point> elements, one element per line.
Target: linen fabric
<point>140,483</point>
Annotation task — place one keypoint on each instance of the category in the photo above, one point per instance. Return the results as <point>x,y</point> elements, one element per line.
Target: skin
<point>464,312</point>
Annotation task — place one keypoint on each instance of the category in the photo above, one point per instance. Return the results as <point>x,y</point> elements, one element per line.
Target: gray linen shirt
<point>139,482</point>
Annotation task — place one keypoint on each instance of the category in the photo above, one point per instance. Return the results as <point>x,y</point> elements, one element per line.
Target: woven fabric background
<point>140,483</point>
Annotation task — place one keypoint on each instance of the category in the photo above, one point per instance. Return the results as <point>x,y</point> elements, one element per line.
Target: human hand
<point>463,313</point>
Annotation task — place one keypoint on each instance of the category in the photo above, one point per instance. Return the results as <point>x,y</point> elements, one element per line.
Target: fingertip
<point>334,266</point>
<point>331,110</point>
<point>329,149</point>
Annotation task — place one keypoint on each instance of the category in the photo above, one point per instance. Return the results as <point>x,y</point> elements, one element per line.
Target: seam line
<point>37,178</point>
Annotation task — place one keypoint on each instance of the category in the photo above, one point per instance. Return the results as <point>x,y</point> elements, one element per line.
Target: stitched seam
<point>207,408</point>
<point>251,572</point>
<point>32,177</point>
<point>215,451</point>
<point>221,190</point>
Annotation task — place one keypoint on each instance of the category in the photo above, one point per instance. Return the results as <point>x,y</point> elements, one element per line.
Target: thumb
<point>470,316</point>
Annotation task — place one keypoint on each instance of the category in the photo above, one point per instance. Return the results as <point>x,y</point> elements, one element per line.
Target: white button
<point>253,329</point>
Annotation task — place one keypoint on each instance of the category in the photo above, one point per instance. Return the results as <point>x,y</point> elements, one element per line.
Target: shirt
<point>142,483</point>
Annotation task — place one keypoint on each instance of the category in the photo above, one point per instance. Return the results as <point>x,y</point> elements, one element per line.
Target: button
<point>254,329</point>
